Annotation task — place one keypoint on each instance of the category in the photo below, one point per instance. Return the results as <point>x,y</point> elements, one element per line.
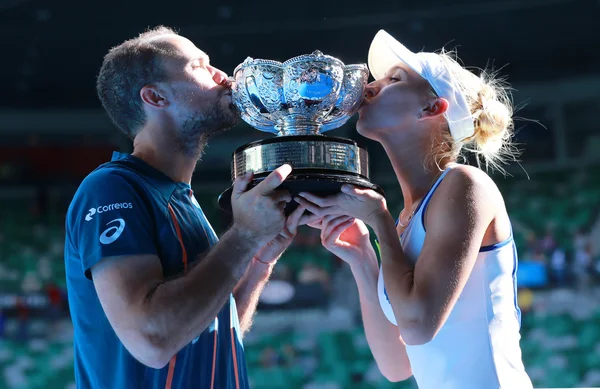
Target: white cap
<point>385,52</point>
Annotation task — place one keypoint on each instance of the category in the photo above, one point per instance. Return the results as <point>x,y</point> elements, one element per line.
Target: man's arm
<point>248,290</point>
<point>155,318</point>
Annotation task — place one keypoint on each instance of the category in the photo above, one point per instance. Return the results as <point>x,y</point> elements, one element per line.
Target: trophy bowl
<point>297,101</point>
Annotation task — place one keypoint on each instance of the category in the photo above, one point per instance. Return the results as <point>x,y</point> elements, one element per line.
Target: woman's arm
<point>423,295</point>
<point>348,239</point>
<point>457,217</point>
<point>383,337</point>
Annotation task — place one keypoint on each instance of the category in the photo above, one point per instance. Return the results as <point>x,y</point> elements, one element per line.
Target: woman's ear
<point>435,107</point>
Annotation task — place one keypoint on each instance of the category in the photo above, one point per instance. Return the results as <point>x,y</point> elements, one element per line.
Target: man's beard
<point>199,127</point>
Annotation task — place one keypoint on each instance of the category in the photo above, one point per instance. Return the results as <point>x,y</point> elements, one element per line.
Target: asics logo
<point>106,208</point>
<point>112,233</point>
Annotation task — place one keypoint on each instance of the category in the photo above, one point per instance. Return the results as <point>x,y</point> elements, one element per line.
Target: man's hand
<point>248,291</point>
<point>258,213</point>
<point>271,251</point>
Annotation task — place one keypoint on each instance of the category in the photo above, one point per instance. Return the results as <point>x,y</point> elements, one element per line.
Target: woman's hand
<point>363,204</point>
<point>346,238</point>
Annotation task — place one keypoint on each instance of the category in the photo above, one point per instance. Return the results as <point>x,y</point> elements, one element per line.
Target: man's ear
<point>153,96</point>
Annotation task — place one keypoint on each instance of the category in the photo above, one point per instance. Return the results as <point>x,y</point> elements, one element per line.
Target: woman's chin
<point>362,126</point>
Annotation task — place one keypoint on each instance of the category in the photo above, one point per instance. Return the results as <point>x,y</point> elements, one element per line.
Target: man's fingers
<point>293,221</point>
<point>240,185</point>
<point>317,225</point>
<point>281,196</point>
<point>311,220</point>
<point>274,179</point>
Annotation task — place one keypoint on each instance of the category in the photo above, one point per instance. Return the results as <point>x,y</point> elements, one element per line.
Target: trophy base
<point>320,184</point>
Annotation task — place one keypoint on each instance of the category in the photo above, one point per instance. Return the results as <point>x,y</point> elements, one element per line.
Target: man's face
<point>200,98</point>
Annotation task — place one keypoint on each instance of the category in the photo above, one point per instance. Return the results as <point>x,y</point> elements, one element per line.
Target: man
<point>157,301</point>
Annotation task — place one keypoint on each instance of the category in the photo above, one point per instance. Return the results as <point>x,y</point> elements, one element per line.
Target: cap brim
<point>385,52</point>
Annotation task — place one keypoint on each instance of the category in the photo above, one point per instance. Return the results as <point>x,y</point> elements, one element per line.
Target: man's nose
<point>220,77</point>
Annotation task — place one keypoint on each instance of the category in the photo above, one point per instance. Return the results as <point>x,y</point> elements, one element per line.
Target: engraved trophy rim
<point>294,138</point>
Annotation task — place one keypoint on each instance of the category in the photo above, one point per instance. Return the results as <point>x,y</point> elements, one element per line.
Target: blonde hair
<point>491,106</point>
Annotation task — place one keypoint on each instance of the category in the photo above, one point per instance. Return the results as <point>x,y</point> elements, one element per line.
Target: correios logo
<point>106,208</point>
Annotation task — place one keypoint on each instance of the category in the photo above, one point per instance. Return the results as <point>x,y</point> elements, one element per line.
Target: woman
<point>442,307</point>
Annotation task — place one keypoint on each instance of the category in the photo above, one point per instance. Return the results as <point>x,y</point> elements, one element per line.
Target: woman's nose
<point>371,90</point>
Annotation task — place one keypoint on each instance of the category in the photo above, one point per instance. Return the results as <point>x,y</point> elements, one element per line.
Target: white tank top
<point>478,345</point>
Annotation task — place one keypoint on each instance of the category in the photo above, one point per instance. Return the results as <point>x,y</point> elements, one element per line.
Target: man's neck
<point>161,152</point>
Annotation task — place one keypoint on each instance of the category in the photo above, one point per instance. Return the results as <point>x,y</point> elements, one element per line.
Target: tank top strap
<point>423,205</point>
<point>435,185</point>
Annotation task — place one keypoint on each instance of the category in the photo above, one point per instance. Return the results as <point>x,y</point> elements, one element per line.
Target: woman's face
<point>393,103</point>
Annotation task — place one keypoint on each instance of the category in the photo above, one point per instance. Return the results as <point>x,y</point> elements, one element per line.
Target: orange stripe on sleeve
<point>178,230</point>
<point>233,352</point>
<point>184,260</point>
<point>214,364</point>
<point>235,364</point>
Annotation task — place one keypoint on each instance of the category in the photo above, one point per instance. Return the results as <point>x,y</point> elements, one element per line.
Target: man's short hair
<point>126,69</point>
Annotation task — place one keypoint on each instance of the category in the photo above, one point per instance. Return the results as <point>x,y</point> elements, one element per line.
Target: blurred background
<point>307,333</point>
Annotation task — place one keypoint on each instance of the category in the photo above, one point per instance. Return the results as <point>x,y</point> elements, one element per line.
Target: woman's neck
<point>411,166</point>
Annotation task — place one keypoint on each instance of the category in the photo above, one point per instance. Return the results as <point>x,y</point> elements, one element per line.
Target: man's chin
<point>233,117</point>
<point>227,123</point>
<point>231,121</point>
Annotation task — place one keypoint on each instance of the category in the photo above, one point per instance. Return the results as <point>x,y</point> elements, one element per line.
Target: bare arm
<point>423,295</point>
<point>155,318</point>
<point>248,291</point>
<point>349,240</point>
<point>457,219</point>
<point>383,337</point>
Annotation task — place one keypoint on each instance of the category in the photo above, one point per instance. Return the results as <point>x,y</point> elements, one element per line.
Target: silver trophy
<point>298,100</point>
